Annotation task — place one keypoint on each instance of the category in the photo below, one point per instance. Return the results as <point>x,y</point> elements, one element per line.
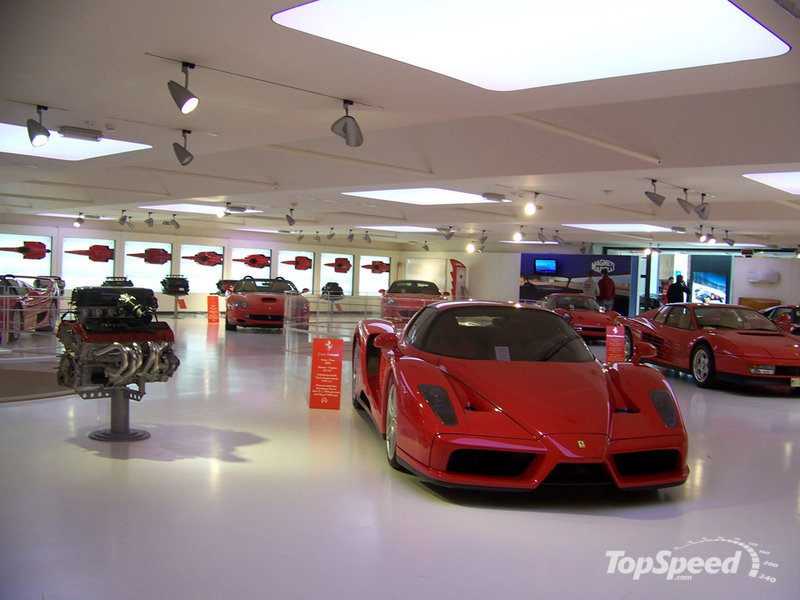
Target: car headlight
<point>439,401</point>
<point>665,406</point>
<point>389,302</point>
<point>762,369</point>
<point>237,304</point>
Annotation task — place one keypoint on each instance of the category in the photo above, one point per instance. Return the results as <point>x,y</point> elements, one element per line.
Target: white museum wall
<point>786,289</point>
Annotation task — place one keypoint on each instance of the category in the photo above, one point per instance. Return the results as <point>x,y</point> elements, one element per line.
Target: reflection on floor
<point>243,492</point>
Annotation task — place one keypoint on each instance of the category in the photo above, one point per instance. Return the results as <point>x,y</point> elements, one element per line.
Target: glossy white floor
<point>242,492</point>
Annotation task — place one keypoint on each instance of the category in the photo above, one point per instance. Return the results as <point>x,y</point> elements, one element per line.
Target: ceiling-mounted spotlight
<point>712,239</point>
<point>366,238</point>
<point>149,220</point>
<point>531,207</point>
<point>184,99</point>
<point>290,217</point>
<point>542,236</point>
<point>37,132</point>
<point>181,153</point>
<point>481,249</point>
<point>425,246</point>
<point>654,196</point>
<point>703,209</point>
<point>519,235</point>
<point>557,239</point>
<point>347,128</point>
<point>701,237</point>
<point>798,252</point>
<point>648,251</point>
<point>79,221</point>
<point>687,206</point>
<point>728,240</point>
<point>173,222</point>
<point>482,240</point>
<point>317,238</point>
<point>471,247</point>
<point>125,220</point>
<point>450,233</point>
<point>331,234</point>
<point>300,236</point>
<point>350,236</point>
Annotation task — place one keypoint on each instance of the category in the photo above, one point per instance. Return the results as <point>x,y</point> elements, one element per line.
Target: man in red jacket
<point>607,290</point>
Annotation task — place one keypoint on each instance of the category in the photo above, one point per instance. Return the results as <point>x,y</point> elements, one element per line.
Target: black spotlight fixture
<point>181,153</point>
<point>290,217</point>
<point>654,196</point>
<point>542,236</point>
<point>300,235</point>
<point>728,240</point>
<point>330,235</point>
<point>125,220</point>
<point>483,238</point>
<point>687,206</point>
<point>173,222</point>
<point>425,246</point>
<point>703,209</point>
<point>347,128</point>
<point>37,132</point>
<point>350,236</point>
<point>366,238</point>
<point>317,238</point>
<point>149,220</point>
<point>79,221</point>
<point>558,239</point>
<point>184,99</point>
<point>450,233</point>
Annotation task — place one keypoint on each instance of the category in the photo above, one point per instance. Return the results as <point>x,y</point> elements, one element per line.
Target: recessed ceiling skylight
<point>620,227</point>
<point>199,209</point>
<point>257,230</point>
<point>518,44</point>
<point>14,140</point>
<point>788,181</point>
<point>399,228</point>
<point>422,196</point>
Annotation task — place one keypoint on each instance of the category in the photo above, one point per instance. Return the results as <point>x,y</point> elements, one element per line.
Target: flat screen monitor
<point>544,266</point>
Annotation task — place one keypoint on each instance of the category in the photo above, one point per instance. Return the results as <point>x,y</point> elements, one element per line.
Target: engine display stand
<point>120,430</point>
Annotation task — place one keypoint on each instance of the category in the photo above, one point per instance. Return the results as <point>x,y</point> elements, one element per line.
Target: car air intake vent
<point>578,474</point>
<point>631,464</point>
<point>489,462</point>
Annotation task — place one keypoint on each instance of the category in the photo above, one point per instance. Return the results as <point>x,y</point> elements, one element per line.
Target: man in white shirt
<point>590,287</point>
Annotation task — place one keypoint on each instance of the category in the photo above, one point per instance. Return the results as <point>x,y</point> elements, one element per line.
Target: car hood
<point>765,343</point>
<point>543,398</point>
<point>592,316</point>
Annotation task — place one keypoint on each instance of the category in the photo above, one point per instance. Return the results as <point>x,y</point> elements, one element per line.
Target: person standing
<point>590,287</point>
<point>677,292</point>
<point>607,290</point>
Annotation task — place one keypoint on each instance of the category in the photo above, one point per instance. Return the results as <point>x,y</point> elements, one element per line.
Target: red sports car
<point>473,394</point>
<point>583,312</point>
<point>262,303</point>
<point>785,316</point>
<point>28,304</point>
<point>406,296</point>
<point>718,342</point>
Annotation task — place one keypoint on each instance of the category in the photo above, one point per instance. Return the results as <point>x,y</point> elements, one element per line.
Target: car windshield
<point>725,317</point>
<point>577,303</point>
<point>502,333</point>
<point>277,286</point>
<point>413,287</point>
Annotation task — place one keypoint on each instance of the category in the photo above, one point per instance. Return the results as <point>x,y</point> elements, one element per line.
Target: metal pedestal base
<point>120,418</point>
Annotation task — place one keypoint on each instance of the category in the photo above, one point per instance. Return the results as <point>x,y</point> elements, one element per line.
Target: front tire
<point>354,368</point>
<point>13,324</point>
<point>229,326</point>
<point>628,344</point>
<point>391,427</point>
<point>703,369</point>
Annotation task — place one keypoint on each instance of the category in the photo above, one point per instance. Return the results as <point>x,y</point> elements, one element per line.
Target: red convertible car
<point>472,394</point>
<point>583,312</point>
<point>406,296</point>
<point>785,316</point>
<point>262,303</point>
<point>713,342</point>
<point>28,304</point>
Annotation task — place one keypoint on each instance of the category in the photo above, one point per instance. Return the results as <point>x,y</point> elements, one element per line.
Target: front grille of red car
<point>489,462</point>
<point>787,371</point>
<point>648,462</point>
<point>265,317</point>
<point>577,474</point>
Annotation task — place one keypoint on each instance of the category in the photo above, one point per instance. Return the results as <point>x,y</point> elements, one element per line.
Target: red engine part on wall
<point>301,263</point>
<point>257,261</point>
<point>207,258</point>
<point>30,250</point>
<point>96,253</point>
<point>154,256</point>
<point>377,266</point>
<point>340,265</point>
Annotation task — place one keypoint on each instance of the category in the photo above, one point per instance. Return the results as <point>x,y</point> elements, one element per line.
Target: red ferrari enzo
<point>785,316</point>
<point>262,303</point>
<point>28,305</point>
<point>583,312</point>
<point>473,394</point>
<point>406,296</point>
<point>718,342</point>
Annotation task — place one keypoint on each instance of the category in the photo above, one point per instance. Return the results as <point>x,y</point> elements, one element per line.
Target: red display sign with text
<point>615,344</point>
<point>326,373</point>
<point>213,309</point>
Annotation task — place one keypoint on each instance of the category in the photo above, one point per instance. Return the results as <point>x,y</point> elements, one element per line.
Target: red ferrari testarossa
<point>494,395</point>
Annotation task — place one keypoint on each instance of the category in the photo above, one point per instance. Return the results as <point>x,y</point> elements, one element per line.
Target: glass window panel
<point>251,261</point>
<point>331,269</point>
<point>91,265</point>
<point>297,267</point>
<point>25,254</point>
<point>202,266</point>
<point>144,270</point>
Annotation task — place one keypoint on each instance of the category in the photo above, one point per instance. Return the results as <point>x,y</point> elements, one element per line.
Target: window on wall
<point>27,255</point>
<point>147,263</point>
<point>87,261</point>
<point>297,267</point>
<point>373,274</point>
<point>255,262</point>
<point>337,268</point>
<point>202,266</point>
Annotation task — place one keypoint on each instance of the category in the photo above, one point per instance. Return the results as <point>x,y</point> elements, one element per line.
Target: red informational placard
<point>213,309</point>
<point>615,344</point>
<point>326,373</point>
<point>181,303</point>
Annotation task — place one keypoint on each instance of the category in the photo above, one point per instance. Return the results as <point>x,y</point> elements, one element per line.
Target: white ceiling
<point>95,64</point>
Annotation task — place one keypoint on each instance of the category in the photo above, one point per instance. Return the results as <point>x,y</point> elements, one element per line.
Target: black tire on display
<point>628,344</point>
<point>229,326</point>
<point>702,365</point>
<point>52,317</point>
<point>356,360</point>
<point>391,427</point>
<point>14,324</point>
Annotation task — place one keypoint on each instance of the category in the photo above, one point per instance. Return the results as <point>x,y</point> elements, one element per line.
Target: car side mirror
<point>643,350</point>
<point>305,291</point>
<point>381,291</point>
<point>445,294</point>
<point>386,341</point>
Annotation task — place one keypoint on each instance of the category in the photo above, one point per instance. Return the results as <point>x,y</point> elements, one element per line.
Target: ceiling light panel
<point>199,209</point>
<point>620,227</point>
<point>14,140</point>
<point>422,196</point>
<point>788,181</point>
<point>539,42</point>
<point>399,228</point>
